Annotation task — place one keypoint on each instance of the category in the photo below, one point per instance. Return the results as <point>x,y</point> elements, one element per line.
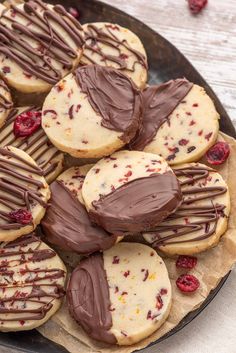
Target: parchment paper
<point>212,266</point>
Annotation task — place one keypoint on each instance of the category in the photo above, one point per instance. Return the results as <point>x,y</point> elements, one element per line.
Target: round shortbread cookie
<point>200,221</point>
<point>180,122</point>
<point>109,44</point>
<point>5,102</point>
<point>67,223</point>
<point>122,295</point>
<point>32,283</point>
<point>92,112</point>
<point>37,145</point>
<point>130,191</point>
<point>41,43</point>
<point>23,193</point>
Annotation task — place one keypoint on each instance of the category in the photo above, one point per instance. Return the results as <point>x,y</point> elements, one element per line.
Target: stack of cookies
<point>81,91</point>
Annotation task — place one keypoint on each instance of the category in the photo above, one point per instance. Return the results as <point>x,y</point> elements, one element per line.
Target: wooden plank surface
<point>208,40</point>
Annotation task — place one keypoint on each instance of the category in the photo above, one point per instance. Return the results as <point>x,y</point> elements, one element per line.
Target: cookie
<point>5,102</point>
<point>109,44</point>
<point>180,122</point>
<point>92,112</point>
<point>67,223</point>
<point>130,191</point>
<point>34,142</point>
<point>122,295</point>
<point>40,44</point>
<point>202,218</point>
<point>23,193</point>
<point>32,283</point>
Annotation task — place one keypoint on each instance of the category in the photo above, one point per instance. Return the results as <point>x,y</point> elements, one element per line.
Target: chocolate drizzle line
<point>138,205</point>
<point>67,224</point>
<point>96,37</point>
<point>52,46</point>
<point>4,101</point>
<point>158,104</point>
<point>27,288</point>
<point>205,217</point>
<point>89,300</point>
<point>37,145</point>
<point>17,190</point>
<point>113,96</point>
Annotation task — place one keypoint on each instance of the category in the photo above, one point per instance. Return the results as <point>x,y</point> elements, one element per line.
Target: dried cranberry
<point>218,153</point>
<point>196,6</point>
<point>187,283</point>
<point>74,12</point>
<point>188,262</point>
<point>21,216</point>
<point>27,123</point>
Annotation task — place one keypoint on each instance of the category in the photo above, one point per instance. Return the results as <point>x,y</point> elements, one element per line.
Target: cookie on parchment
<point>130,191</point>
<point>200,221</point>
<point>5,101</point>
<point>109,44</point>
<point>23,193</point>
<point>32,283</point>
<point>180,122</point>
<point>67,223</point>
<point>92,112</point>
<point>122,295</point>
<point>40,44</point>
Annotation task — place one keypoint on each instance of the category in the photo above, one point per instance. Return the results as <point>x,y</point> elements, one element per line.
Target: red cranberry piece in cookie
<point>187,283</point>
<point>21,216</point>
<point>218,153</point>
<point>74,12</point>
<point>196,6</point>
<point>27,123</point>
<point>187,262</point>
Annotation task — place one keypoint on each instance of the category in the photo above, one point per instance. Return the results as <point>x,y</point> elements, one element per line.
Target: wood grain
<point>208,40</point>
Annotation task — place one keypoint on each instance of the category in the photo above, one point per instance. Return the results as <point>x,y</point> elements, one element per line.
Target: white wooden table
<point>209,42</point>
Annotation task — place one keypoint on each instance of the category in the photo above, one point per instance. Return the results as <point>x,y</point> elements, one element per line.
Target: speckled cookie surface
<point>5,102</point>
<point>132,299</point>
<point>130,190</point>
<point>200,221</point>
<point>109,44</point>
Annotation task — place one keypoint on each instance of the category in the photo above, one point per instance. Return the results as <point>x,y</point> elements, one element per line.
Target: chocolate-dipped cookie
<point>40,44</point>
<point>23,193</point>
<point>92,112</point>
<point>109,44</point>
<point>130,191</point>
<point>67,223</point>
<point>180,122</point>
<point>202,218</point>
<point>31,285</point>
<point>5,102</point>
<point>122,295</point>
<point>22,129</point>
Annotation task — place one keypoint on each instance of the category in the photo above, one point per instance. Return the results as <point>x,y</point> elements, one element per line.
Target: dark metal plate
<point>165,62</point>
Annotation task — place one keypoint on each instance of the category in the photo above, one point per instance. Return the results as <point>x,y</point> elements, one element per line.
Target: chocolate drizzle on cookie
<point>89,300</point>
<point>137,205</point>
<point>18,187</point>
<point>181,227</point>
<point>68,225</point>
<point>36,145</point>
<point>5,102</point>
<point>158,104</point>
<point>50,48</point>
<point>28,288</point>
<point>96,37</point>
<point>113,96</point>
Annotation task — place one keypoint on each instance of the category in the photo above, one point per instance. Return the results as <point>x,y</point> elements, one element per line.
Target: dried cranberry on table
<point>218,153</point>
<point>187,262</point>
<point>21,216</point>
<point>197,6</point>
<point>187,283</point>
<point>27,123</point>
